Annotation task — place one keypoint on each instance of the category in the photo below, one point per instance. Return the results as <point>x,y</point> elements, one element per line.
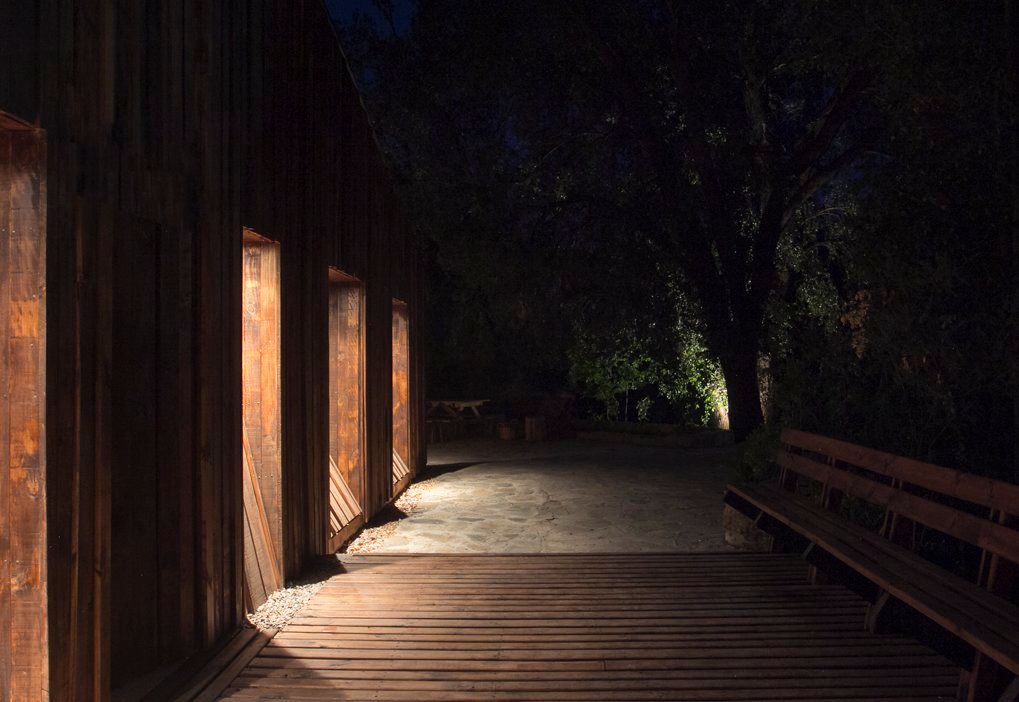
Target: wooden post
<point>831,500</point>
<point>896,528</point>
<point>24,668</point>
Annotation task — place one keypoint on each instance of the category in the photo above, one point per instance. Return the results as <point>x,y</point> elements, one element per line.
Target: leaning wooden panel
<point>261,565</point>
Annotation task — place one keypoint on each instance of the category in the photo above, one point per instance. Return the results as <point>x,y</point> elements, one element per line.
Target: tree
<point>741,112</point>
<point>626,146</point>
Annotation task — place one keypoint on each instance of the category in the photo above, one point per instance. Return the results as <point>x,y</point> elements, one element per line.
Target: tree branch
<point>815,178</point>
<point>829,123</point>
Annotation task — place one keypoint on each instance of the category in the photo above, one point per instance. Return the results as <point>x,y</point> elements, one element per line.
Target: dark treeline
<point>801,210</point>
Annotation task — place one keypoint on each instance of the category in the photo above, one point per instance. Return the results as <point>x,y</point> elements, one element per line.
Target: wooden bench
<point>821,478</point>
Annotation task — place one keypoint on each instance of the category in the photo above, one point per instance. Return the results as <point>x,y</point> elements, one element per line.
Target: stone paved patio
<point>487,496</point>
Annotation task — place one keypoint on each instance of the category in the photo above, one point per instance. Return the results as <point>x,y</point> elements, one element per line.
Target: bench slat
<point>962,610</point>
<point>989,536</point>
<point>967,486</point>
<point>959,591</point>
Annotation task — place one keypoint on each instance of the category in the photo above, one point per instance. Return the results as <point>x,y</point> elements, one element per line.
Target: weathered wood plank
<point>989,536</point>
<point>947,608</point>
<point>24,670</point>
<point>912,493</point>
<point>7,174</point>
<point>967,486</point>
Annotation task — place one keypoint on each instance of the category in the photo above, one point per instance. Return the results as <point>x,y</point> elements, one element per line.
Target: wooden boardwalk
<point>586,627</point>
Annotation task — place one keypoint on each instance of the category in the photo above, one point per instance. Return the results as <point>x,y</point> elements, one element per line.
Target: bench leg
<point>872,620</point>
<point>1011,693</point>
<point>987,681</point>
<point>815,576</point>
<point>778,545</point>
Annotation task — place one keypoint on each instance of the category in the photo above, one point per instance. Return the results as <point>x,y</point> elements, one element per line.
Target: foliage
<point>603,373</point>
<point>755,462</point>
<point>682,373</point>
<point>692,381</point>
<point>644,409</point>
<point>894,338</point>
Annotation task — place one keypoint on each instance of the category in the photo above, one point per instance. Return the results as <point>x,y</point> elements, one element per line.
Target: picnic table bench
<point>804,510</point>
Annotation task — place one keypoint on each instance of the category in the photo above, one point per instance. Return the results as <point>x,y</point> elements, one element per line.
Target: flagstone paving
<point>487,496</point>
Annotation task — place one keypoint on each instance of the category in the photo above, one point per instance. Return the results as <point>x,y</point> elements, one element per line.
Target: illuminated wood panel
<point>260,345</point>
<point>402,460</point>
<point>23,606</point>
<point>346,406</point>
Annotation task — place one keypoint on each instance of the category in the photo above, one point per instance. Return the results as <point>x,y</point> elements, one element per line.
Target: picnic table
<point>456,409</point>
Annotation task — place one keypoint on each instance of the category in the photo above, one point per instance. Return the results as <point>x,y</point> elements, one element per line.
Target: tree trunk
<point>741,384</point>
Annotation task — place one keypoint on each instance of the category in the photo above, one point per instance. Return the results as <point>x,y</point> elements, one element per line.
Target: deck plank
<point>561,627</point>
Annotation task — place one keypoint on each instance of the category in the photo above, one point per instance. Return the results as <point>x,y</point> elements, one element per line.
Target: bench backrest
<point>908,492</point>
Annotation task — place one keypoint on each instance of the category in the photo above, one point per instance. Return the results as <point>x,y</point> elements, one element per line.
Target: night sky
<point>344,10</point>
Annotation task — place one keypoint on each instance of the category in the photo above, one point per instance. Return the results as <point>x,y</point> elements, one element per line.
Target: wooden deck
<point>586,627</point>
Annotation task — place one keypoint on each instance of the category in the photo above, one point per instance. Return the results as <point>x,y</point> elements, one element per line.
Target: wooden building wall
<point>170,125</point>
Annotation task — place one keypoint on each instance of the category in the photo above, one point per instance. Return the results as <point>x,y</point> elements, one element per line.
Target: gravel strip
<point>371,538</point>
<point>283,605</point>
